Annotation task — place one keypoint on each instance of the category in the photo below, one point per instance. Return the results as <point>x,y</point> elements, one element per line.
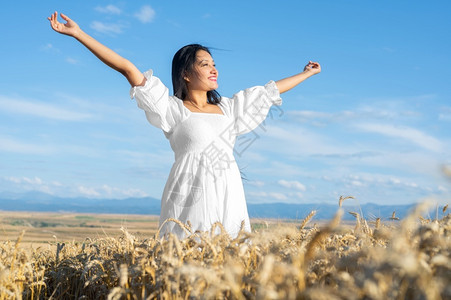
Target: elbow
<point>133,75</point>
<point>126,68</point>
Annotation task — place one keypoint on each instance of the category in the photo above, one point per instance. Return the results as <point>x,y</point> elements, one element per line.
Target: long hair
<point>182,64</point>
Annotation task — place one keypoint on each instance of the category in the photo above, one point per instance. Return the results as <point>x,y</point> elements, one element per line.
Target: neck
<point>199,98</point>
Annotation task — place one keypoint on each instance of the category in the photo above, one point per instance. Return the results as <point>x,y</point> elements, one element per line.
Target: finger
<point>65,18</point>
<point>52,18</point>
<point>56,17</point>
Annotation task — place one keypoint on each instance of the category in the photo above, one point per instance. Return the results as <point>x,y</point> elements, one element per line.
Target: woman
<point>204,185</point>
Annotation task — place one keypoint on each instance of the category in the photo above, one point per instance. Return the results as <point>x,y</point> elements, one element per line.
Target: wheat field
<point>372,259</point>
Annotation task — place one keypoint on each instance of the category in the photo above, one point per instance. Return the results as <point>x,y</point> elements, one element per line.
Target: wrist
<point>307,73</point>
<point>78,34</point>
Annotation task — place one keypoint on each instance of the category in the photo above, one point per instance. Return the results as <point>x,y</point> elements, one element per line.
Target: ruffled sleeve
<point>153,97</point>
<point>251,106</point>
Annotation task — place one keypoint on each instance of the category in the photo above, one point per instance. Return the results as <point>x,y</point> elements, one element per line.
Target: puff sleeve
<point>153,97</point>
<point>251,106</point>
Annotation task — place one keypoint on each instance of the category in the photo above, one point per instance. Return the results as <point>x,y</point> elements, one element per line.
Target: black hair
<point>182,64</point>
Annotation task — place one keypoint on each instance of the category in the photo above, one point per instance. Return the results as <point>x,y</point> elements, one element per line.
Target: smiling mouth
<point>213,78</point>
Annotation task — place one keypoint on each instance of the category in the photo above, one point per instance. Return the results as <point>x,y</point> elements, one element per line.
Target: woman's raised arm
<point>105,54</point>
<point>288,83</point>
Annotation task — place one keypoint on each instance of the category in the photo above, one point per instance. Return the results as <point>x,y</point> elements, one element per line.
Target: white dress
<point>204,185</point>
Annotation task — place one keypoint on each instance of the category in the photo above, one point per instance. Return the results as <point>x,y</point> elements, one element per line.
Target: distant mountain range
<point>36,201</point>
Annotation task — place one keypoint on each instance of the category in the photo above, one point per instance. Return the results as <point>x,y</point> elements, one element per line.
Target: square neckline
<point>204,113</point>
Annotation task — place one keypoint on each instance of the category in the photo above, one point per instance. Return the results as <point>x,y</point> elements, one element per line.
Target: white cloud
<point>380,109</point>
<point>19,180</point>
<point>278,196</point>
<point>109,9</point>
<point>395,180</point>
<point>412,135</point>
<point>445,114</point>
<point>49,48</point>
<point>29,184</point>
<point>276,169</point>
<point>146,14</point>
<point>299,195</point>
<point>56,188</point>
<point>8,144</point>
<point>257,183</point>
<point>362,113</point>
<point>270,196</point>
<point>296,141</point>
<point>258,194</point>
<point>43,110</point>
<point>71,60</point>
<point>381,181</point>
<point>107,28</point>
<point>11,145</point>
<point>106,191</point>
<point>356,183</point>
<point>88,192</point>
<point>292,184</point>
<point>442,189</point>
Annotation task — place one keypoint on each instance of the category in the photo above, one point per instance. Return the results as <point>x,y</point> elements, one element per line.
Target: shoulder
<point>151,87</point>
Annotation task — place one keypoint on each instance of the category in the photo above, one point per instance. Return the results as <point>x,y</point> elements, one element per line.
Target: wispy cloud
<point>257,183</point>
<point>278,196</point>
<point>445,114</point>
<point>26,180</point>
<point>295,140</point>
<point>11,145</point>
<point>49,48</point>
<point>146,14</point>
<point>273,196</point>
<point>106,191</point>
<point>39,109</point>
<point>72,61</point>
<point>107,28</point>
<point>109,9</point>
<point>362,113</point>
<point>409,134</point>
<point>292,184</point>
<point>30,184</point>
<point>386,108</point>
<point>57,188</point>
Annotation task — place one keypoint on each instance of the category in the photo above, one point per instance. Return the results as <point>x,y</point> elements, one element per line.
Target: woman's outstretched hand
<point>312,68</point>
<point>288,83</point>
<point>70,28</point>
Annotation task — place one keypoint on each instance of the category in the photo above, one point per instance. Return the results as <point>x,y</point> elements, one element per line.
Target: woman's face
<point>204,75</point>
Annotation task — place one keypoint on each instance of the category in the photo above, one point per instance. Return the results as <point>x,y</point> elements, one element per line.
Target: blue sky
<point>375,124</point>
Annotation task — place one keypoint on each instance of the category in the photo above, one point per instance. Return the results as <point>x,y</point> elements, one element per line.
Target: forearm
<point>111,58</point>
<point>288,83</point>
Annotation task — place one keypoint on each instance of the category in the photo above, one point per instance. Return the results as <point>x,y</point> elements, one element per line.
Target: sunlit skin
<point>203,78</point>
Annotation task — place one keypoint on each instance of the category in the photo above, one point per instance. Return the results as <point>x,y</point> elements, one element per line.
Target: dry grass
<point>405,259</point>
